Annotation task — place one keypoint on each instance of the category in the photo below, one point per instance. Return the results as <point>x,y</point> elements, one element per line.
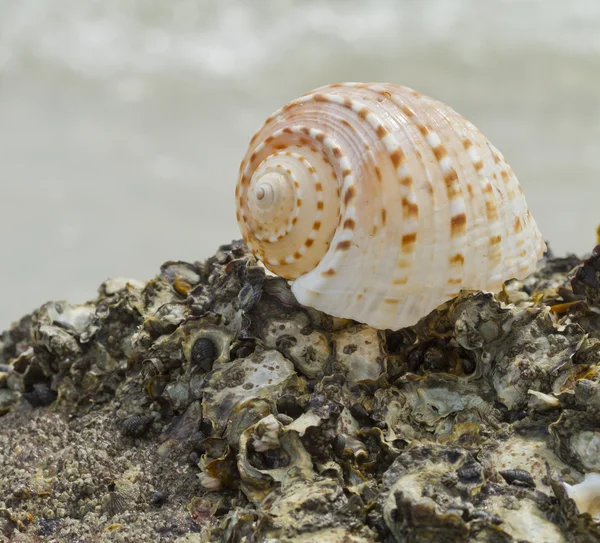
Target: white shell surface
<point>586,495</point>
<point>382,203</point>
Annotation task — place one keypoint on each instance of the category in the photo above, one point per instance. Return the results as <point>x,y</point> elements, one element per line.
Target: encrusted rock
<point>480,423</point>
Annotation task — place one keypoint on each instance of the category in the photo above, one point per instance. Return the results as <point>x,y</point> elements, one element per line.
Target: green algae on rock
<point>480,423</point>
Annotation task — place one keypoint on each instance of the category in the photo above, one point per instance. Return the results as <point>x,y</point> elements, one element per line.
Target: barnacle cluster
<point>480,423</point>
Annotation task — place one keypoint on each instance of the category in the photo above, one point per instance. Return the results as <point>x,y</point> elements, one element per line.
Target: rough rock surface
<point>207,405</point>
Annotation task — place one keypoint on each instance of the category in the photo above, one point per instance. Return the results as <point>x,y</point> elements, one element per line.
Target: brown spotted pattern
<point>381,203</point>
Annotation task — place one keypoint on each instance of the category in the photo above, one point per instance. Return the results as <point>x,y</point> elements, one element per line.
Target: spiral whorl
<point>295,169</point>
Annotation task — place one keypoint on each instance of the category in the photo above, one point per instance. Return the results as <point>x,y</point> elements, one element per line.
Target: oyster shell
<point>434,493</point>
<point>265,374</point>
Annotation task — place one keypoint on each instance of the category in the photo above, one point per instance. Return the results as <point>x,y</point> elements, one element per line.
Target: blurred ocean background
<point>123,122</point>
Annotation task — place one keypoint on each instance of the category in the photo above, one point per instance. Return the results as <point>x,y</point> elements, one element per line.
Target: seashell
<point>517,477</point>
<point>136,425</point>
<point>206,344</point>
<point>260,472</point>
<point>587,278</point>
<point>121,493</point>
<point>576,440</point>
<point>381,204</point>
<point>586,495</point>
<point>423,496</point>
<point>203,354</point>
<point>358,350</point>
<point>264,374</point>
<point>266,434</point>
<point>470,473</point>
<point>529,453</point>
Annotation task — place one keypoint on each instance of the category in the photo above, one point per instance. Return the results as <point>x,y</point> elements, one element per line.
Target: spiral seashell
<point>381,204</point>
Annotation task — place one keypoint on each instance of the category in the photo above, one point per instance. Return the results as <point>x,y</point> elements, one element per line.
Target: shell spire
<point>381,204</point>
